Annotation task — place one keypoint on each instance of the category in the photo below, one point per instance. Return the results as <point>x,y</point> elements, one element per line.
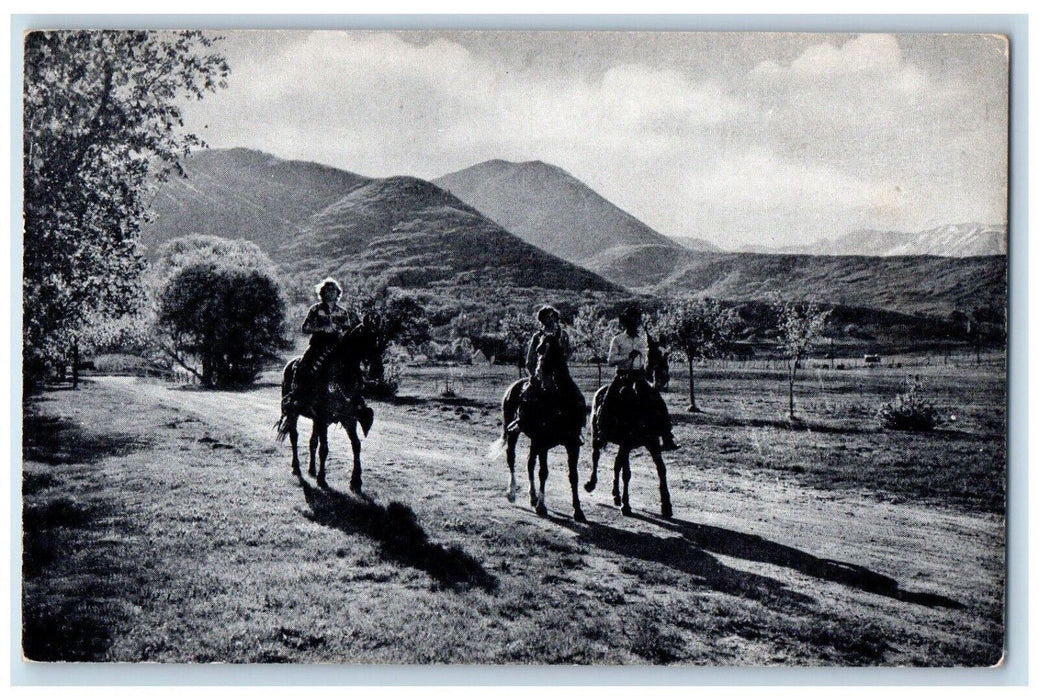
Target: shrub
<point>909,410</point>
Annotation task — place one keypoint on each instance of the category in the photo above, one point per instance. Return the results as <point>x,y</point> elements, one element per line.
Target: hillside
<point>952,240</point>
<point>549,208</point>
<point>314,220</point>
<point>693,243</point>
<point>241,193</point>
<point>410,233</point>
<point>907,284</point>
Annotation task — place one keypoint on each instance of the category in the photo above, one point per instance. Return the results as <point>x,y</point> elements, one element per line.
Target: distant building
<point>871,360</point>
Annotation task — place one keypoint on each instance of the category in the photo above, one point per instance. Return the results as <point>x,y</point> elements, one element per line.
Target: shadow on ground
<point>754,548</point>
<point>54,440</point>
<point>729,421</point>
<point>401,539</point>
<point>680,554</point>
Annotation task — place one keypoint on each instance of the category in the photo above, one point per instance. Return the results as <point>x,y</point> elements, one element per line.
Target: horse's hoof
<point>533,501</point>
<point>541,510</point>
<point>590,486</point>
<point>579,516</point>
<point>511,495</point>
<point>321,482</point>
<point>665,511</point>
<point>616,500</point>
<point>355,486</point>
<point>626,510</point>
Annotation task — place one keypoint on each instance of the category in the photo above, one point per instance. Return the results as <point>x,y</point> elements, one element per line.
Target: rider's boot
<point>667,442</point>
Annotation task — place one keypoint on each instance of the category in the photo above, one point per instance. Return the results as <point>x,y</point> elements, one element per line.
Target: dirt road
<point>751,571</point>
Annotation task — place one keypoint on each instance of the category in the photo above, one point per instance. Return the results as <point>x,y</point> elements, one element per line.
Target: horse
<point>658,369</point>
<point>555,421</point>
<point>632,431</point>
<point>329,398</point>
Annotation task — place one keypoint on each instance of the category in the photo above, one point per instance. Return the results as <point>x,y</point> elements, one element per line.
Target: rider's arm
<point>532,355</point>
<point>317,322</point>
<point>616,356</point>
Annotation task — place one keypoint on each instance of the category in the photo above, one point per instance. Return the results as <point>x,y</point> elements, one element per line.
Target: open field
<point>162,524</point>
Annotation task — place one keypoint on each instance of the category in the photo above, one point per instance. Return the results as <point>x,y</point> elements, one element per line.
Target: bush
<point>910,411</point>
<point>386,385</point>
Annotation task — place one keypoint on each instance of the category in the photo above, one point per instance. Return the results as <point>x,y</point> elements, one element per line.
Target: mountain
<point>549,208</point>
<point>241,193</point>
<point>951,240</point>
<point>908,284</point>
<point>691,243</point>
<point>315,220</point>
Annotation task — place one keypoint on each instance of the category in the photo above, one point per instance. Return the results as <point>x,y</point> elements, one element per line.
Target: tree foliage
<point>228,318</point>
<point>516,329</point>
<point>590,334</point>
<point>700,328</point>
<point>101,117</point>
<point>800,325</point>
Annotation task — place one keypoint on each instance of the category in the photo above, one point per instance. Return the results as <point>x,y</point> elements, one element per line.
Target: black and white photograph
<point>514,347</point>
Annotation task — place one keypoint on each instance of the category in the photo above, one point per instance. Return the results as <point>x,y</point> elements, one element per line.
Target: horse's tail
<point>282,426</point>
<point>497,448</point>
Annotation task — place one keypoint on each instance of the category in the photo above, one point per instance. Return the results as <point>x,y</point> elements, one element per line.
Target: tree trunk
<point>75,363</point>
<point>691,408</point>
<point>790,386</point>
<point>598,372</point>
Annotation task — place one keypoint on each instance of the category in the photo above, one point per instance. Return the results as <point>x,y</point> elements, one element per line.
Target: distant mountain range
<point>483,228</point>
<point>908,284</point>
<point>315,220</point>
<point>692,243</point>
<point>550,208</point>
<point>951,240</point>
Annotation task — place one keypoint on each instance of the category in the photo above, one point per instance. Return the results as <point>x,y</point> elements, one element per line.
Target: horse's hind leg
<point>665,494</point>
<point>315,440</point>
<point>542,477</point>
<point>355,445</point>
<point>292,429</point>
<point>532,458</point>
<point>510,456</point>
<point>322,452</point>
<point>573,451</point>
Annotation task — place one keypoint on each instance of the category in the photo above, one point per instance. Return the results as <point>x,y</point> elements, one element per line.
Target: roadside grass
<point>151,536</point>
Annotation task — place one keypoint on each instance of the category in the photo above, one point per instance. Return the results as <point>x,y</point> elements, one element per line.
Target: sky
<point>735,138</point>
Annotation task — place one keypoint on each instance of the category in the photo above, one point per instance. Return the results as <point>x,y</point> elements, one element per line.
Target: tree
<point>516,328</point>
<point>101,117</point>
<point>590,333</point>
<point>800,324</point>
<point>700,327</point>
<point>230,318</point>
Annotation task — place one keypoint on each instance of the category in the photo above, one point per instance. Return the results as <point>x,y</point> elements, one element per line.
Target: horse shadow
<point>740,545</point>
<point>401,539</point>
<point>680,554</point>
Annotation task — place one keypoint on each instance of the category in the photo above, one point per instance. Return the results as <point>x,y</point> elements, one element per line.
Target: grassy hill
<point>550,208</point>
<point>908,284</point>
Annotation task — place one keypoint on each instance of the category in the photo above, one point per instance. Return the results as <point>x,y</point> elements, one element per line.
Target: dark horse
<point>330,397</point>
<point>631,429</point>
<point>555,419</point>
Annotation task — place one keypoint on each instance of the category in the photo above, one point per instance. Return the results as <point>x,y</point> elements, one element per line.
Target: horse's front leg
<point>542,477</point>
<point>315,440</point>
<point>355,445</point>
<point>532,458</point>
<point>322,453</point>
<point>573,452</point>
<point>618,466</point>
<point>510,456</point>
<point>626,475</point>
<point>665,494</point>
<point>594,478</point>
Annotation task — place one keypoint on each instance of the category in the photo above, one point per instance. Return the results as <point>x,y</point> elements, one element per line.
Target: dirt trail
<point>932,572</point>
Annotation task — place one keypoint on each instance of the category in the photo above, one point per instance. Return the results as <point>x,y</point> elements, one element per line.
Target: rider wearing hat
<point>548,319</point>
<point>326,323</point>
<point>629,351</point>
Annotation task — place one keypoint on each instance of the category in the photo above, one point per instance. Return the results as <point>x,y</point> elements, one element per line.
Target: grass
<point>145,543</point>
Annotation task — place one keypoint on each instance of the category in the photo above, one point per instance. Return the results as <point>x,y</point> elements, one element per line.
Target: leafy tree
<point>230,318</point>
<point>101,117</point>
<point>516,328</point>
<point>591,330</point>
<point>800,325</point>
<point>700,327</point>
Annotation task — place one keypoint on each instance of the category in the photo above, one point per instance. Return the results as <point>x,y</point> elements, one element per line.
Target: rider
<point>326,323</point>
<point>629,350</point>
<point>548,319</point>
